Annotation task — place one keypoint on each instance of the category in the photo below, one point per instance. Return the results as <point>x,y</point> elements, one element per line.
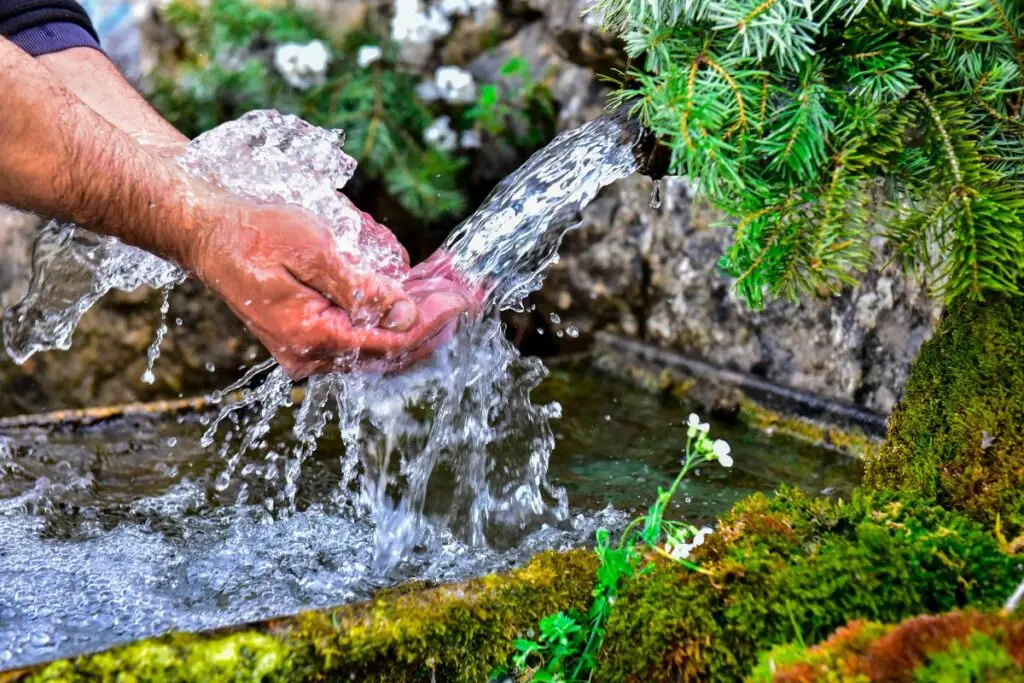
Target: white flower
<point>455,85</point>
<point>694,423</point>
<point>414,24</point>
<point>303,66</point>
<point>721,451</point>
<point>681,551</point>
<point>440,135</point>
<point>476,8</point>
<point>470,139</point>
<point>368,54</point>
<point>451,7</point>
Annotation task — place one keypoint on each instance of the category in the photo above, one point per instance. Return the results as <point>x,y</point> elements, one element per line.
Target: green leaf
<point>516,66</point>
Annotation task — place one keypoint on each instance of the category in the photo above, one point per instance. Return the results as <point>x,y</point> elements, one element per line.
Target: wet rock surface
<point>652,274</point>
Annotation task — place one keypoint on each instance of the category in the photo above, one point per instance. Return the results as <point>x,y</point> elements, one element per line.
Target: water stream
<point>440,419</point>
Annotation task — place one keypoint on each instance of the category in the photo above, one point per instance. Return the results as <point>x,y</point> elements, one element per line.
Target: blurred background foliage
<point>223,65</point>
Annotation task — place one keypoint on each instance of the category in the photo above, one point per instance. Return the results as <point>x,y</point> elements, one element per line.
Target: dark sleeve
<point>42,26</point>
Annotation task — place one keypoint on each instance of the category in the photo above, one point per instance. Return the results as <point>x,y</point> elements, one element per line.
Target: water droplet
<point>572,331</point>
<point>172,442</point>
<point>179,322</point>
<point>656,195</point>
<point>210,367</point>
<point>555,319</point>
<point>607,418</point>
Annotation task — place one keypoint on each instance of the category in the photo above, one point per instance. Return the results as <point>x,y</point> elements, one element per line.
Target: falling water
<point>153,352</point>
<point>441,420</point>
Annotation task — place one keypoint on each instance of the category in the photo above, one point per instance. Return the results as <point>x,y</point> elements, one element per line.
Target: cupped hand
<point>439,287</point>
<point>314,308</point>
<point>439,272</point>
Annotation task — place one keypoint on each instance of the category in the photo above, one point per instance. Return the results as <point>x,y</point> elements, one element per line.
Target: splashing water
<point>508,242</point>
<point>442,419</point>
<point>153,352</point>
<point>71,270</point>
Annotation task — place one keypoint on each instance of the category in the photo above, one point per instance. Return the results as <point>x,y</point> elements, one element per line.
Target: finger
<point>439,339</point>
<point>336,332</point>
<point>436,265</point>
<point>379,236</point>
<point>369,298</point>
<point>419,289</point>
<point>378,364</point>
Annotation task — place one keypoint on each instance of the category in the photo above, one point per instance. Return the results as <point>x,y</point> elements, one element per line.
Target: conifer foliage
<point>827,128</point>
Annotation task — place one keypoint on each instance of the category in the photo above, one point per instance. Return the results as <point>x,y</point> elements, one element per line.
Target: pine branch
<point>788,115</point>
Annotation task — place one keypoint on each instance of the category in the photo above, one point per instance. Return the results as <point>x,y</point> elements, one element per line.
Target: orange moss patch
<point>867,651</point>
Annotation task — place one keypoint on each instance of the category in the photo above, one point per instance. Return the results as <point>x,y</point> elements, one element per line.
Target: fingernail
<point>401,317</point>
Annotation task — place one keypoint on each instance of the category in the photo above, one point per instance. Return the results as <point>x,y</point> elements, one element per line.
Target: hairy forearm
<point>96,82</point>
<point>60,158</point>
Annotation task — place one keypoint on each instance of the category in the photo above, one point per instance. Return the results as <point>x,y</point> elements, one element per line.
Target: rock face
<point>651,273</point>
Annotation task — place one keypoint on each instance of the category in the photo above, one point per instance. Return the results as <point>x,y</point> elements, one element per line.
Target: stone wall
<point>652,274</point>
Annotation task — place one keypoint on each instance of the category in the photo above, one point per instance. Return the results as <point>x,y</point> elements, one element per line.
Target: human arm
<point>272,264</point>
<point>94,80</point>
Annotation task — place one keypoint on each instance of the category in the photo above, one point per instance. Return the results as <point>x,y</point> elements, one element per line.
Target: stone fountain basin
<point>117,535</point>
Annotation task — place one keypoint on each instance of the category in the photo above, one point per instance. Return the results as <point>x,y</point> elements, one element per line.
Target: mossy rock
<point>450,633</point>
<point>956,434</point>
<point>782,569</point>
<point>795,567</point>
<point>957,646</point>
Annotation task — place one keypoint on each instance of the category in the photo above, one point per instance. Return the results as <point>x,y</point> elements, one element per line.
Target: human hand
<point>313,307</point>
<point>439,272</point>
<point>377,239</point>
<point>438,287</point>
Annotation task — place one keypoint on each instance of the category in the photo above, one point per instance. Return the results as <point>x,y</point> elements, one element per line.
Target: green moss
<point>851,441</point>
<point>980,659</point>
<point>778,570</point>
<point>237,657</point>
<point>449,633</point>
<point>795,568</point>
<point>952,647</point>
<point>956,435</point>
